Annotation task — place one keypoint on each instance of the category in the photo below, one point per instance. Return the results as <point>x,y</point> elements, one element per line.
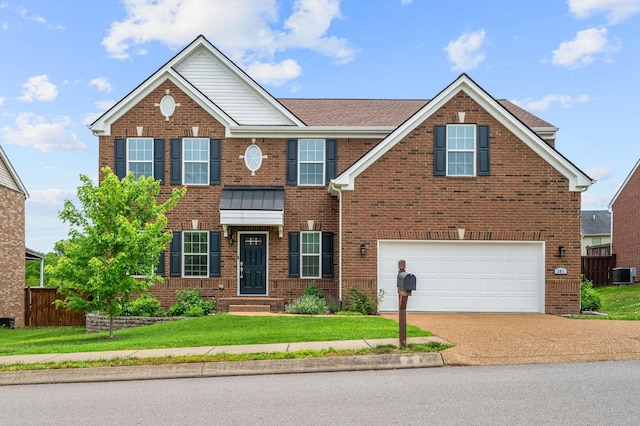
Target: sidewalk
<point>213,369</point>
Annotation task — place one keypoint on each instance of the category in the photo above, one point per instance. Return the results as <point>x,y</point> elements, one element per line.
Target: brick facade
<point>626,223</point>
<point>12,253</point>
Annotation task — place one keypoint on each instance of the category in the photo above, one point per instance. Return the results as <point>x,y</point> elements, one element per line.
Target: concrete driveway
<point>500,339</point>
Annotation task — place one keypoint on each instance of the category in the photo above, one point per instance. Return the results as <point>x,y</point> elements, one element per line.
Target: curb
<point>221,369</point>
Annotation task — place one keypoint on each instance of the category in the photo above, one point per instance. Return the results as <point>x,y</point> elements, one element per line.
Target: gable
<point>578,181</point>
<point>8,176</point>
<point>630,178</point>
<point>215,83</point>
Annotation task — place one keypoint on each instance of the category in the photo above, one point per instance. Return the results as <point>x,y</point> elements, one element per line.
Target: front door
<point>253,264</point>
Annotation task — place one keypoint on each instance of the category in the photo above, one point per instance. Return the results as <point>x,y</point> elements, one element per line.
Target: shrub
<point>360,302</point>
<point>191,304</point>
<point>589,298</point>
<point>313,290</point>
<point>144,306</point>
<point>307,304</point>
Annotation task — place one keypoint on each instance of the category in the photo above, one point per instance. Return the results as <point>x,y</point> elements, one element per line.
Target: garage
<point>464,276</point>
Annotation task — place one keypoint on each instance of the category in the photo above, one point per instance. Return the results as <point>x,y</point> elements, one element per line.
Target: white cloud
<point>249,31</point>
<point>599,172</point>
<point>464,51</point>
<point>24,13</point>
<point>38,133</point>
<point>275,74</point>
<point>104,105</point>
<point>596,200</point>
<point>615,10</point>
<point>405,2</point>
<point>583,48</point>
<point>101,83</point>
<point>1,100</point>
<point>38,88</point>
<point>565,101</point>
<point>51,196</point>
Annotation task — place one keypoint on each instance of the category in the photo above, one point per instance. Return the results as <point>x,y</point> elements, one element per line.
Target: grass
<point>128,362</point>
<point>219,330</point>
<point>620,302</point>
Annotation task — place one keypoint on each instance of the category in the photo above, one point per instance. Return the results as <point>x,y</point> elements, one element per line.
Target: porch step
<point>249,308</point>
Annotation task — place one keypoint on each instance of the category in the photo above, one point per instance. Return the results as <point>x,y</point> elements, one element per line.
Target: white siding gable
<point>8,176</point>
<point>228,91</point>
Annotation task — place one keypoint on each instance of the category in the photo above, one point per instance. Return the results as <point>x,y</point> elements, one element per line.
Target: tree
<point>32,271</point>
<point>115,239</point>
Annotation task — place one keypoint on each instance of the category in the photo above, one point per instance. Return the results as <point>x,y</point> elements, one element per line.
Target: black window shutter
<point>214,161</point>
<point>158,160</point>
<point>439,150</point>
<point>483,151</point>
<point>292,162</point>
<point>294,255</point>
<point>214,253</point>
<point>160,266</point>
<point>176,161</point>
<point>327,255</point>
<point>331,155</point>
<point>120,157</point>
<point>175,261</point>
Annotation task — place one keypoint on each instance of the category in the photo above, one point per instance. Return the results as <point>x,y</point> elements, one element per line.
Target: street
<point>595,393</point>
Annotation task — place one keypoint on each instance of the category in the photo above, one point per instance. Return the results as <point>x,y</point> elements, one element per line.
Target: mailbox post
<point>406,284</point>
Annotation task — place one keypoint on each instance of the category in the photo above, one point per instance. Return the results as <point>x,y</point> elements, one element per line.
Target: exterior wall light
<point>363,249</point>
<point>561,251</point>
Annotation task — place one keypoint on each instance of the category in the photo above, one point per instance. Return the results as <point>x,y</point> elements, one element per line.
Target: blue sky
<point>575,63</point>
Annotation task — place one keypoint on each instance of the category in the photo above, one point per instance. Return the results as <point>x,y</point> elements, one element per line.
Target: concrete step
<point>249,308</point>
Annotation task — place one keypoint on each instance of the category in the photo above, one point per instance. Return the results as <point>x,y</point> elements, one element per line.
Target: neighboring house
<point>595,228</point>
<point>469,190</point>
<point>625,217</point>
<point>12,243</point>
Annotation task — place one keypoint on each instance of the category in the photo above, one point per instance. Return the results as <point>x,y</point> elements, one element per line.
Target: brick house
<point>625,221</point>
<point>12,243</point>
<point>469,190</point>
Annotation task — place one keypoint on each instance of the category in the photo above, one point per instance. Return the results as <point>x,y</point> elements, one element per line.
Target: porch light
<point>363,249</point>
<point>561,251</point>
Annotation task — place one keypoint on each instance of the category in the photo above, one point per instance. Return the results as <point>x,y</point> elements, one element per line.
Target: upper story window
<point>196,161</point>
<point>140,156</point>
<point>253,157</point>
<point>311,162</point>
<point>461,149</point>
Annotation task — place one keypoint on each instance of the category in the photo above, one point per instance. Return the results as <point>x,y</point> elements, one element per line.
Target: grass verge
<point>128,362</point>
<point>219,330</point>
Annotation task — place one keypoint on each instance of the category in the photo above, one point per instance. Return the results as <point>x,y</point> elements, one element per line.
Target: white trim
<point>266,262</point>
<point>207,162</point>
<point>473,151</point>
<point>127,159</point>
<point>319,255</point>
<point>323,161</point>
<point>13,173</point>
<point>578,181</point>
<point>183,253</point>
<point>309,132</point>
<point>615,197</point>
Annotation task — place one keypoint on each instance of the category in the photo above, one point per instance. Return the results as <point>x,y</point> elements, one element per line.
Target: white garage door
<point>465,276</point>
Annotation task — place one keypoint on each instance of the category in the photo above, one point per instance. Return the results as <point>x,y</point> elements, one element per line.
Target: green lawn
<point>620,302</point>
<point>216,330</point>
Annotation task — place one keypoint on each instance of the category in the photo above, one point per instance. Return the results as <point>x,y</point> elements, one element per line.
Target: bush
<point>144,306</point>
<point>191,304</point>
<point>313,290</point>
<point>360,302</point>
<point>589,298</point>
<point>307,304</point>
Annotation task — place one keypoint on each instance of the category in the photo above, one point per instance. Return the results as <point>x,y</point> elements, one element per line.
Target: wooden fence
<point>599,269</point>
<point>40,311</point>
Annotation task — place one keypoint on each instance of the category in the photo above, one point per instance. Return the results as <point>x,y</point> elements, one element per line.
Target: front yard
<point>620,302</point>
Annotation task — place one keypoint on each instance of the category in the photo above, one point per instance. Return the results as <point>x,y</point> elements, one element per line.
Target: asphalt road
<point>597,393</point>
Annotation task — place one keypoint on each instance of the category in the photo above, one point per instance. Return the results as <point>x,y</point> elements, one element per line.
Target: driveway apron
<point>500,339</point>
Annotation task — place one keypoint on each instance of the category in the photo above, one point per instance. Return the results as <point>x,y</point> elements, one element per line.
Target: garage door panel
<point>465,276</point>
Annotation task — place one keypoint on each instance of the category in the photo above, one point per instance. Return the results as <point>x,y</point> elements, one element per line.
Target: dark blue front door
<point>253,264</point>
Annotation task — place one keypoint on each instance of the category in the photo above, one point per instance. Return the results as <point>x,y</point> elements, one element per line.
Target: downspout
<point>339,246</point>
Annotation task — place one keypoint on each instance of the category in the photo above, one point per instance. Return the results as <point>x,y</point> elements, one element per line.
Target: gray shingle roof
<point>243,197</point>
<point>595,222</point>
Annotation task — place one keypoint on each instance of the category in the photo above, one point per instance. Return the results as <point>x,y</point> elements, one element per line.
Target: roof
<point>578,180</point>
<point>33,255</point>
<point>628,178</point>
<point>242,197</point>
<point>595,222</point>
<point>378,112</point>
<point>8,175</point>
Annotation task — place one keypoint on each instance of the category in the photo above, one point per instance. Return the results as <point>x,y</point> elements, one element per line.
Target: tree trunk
<point>110,326</point>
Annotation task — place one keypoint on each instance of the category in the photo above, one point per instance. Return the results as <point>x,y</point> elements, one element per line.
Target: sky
<point>575,64</point>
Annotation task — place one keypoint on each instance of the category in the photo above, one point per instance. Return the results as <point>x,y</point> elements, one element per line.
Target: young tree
<point>115,239</point>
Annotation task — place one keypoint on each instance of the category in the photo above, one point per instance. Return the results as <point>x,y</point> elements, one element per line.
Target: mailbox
<point>406,281</point>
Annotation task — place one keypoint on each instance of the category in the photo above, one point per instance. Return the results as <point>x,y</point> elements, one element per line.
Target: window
<point>310,254</point>
<point>596,241</point>
<point>253,157</point>
<point>461,144</point>
<point>196,161</point>
<point>311,162</point>
<point>195,252</point>
<point>140,156</point>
